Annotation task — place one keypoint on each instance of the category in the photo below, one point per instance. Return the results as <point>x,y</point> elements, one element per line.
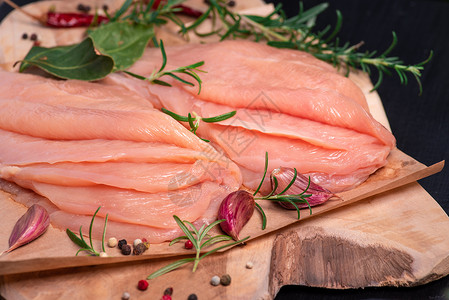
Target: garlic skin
<point>29,227</point>
<point>236,209</point>
<point>285,175</point>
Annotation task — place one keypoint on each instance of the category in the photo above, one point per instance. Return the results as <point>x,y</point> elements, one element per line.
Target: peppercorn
<point>168,291</point>
<point>33,37</point>
<point>142,285</point>
<point>137,242</point>
<point>249,265</point>
<point>126,249</point>
<point>80,7</point>
<point>166,297</point>
<point>231,3</point>
<point>188,244</point>
<point>105,7</point>
<point>192,297</point>
<point>225,280</point>
<point>24,36</point>
<point>139,249</point>
<point>121,243</point>
<point>215,280</point>
<point>147,245</point>
<point>112,242</point>
<point>103,254</point>
<point>126,296</point>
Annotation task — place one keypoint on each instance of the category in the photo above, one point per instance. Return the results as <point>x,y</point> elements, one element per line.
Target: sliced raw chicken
<point>298,109</point>
<point>84,145</point>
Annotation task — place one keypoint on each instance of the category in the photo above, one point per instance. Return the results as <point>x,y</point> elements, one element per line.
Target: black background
<point>419,123</point>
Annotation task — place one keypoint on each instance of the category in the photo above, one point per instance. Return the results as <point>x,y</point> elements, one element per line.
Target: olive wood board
<point>400,236</point>
<point>397,238</point>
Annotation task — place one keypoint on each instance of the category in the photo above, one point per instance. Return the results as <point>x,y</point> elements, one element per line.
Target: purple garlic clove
<point>285,175</point>
<point>236,209</point>
<point>29,227</point>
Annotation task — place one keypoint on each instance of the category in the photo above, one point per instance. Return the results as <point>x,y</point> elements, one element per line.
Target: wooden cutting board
<point>397,238</point>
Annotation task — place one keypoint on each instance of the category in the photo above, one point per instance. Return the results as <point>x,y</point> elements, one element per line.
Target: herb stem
<point>267,32</point>
<point>197,260</point>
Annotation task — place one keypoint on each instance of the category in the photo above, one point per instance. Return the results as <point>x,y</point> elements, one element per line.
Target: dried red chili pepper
<point>189,11</point>
<point>68,20</point>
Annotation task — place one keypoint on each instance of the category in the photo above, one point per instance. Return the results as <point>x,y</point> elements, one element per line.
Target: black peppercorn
<point>80,7</point>
<point>33,37</point>
<point>231,3</point>
<point>24,36</point>
<point>139,249</point>
<point>225,280</point>
<point>168,291</point>
<point>121,243</point>
<point>126,249</point>
<point>192,297</point>
<point>105,7</point>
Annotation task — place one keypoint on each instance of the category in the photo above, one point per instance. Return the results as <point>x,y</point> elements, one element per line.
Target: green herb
<point>131,28</point>
<point>194,122</point>
<point>293,199</point>
<point>121,42</point>
<point>196,237</point>
<point>70,62</point>
<point>189,70</point>
<point>297,32</point>
<point>82,243</point>
<point>124,42</point>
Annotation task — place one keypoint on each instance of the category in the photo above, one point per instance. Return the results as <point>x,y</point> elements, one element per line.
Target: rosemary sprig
<point>196,237</point>
<point>194,121</point>
<point>297,32</point>
<point>82,243</point>
<point>189,70</point>
<point>293,199</point>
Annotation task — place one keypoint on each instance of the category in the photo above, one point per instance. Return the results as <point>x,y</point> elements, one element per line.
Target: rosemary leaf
<point>104,232</point>
<point>264,174</point>
<point>220,117</point>
<point>170,267</point>
<point>91,226</point>
<point>216,239</point>
<point>75,239</point>
<point>186,231</point>
<point>175,116</point>
<point>264,216</point>
<point>208,228</point>
<point>174,241</point>
<point>291,182</point>
<point>223,247</point>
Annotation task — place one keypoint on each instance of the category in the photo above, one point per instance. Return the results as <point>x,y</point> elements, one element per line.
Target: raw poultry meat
<point>298,109</point>
<point>83,145</point>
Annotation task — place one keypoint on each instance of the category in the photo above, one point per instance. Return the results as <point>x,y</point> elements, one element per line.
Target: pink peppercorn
<point>142,285</point>
<point>166,297</point>
<point>188,245</point>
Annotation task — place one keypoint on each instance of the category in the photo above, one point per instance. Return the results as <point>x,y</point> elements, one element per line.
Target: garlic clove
<point>236,209</point>
<point>285,175</point>
<point>29,227</point>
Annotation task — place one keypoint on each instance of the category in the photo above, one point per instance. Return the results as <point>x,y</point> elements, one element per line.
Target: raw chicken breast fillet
<point>83,145</point>
<point>298,109</point>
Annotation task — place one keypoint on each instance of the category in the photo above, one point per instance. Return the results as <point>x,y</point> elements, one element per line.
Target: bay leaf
<point>125,42</point>
<point>79,61</point>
